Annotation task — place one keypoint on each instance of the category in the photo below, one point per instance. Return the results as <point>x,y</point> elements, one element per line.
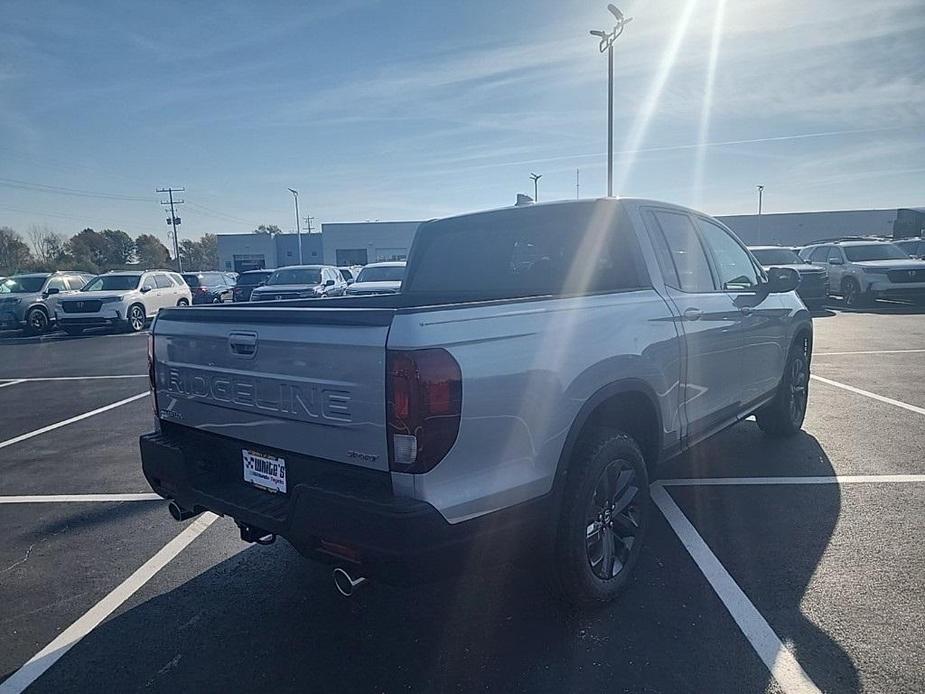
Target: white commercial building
<point>359,243</point>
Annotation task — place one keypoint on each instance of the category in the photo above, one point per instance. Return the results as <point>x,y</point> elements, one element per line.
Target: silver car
<point>29,301</point>
<point>378,278</point>
<point>863,271</point>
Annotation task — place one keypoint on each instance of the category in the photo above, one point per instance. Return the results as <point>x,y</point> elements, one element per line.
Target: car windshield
<point>381,274</point>
<point>874,251</point>
<point>347,275</point>
<point>112,282</point>
<point>22,285</point>
<point>252,278</point>
<point>303,275</point>
<point>776,256</point>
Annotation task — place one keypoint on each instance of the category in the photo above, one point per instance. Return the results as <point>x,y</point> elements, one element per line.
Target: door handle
<point>692,314</point>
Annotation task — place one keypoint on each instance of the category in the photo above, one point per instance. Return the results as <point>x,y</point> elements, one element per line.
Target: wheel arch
<point>630,405</point>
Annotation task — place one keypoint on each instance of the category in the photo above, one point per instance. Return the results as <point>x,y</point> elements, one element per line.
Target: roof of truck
<point>586,202</point>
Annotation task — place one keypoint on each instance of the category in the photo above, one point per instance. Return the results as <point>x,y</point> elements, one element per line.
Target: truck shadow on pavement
<point>264,619</point>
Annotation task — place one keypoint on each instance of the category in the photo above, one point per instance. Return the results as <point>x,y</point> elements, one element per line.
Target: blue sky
<point>410,110</point>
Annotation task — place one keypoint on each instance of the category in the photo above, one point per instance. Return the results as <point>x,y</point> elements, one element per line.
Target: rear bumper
<point>334,506</point>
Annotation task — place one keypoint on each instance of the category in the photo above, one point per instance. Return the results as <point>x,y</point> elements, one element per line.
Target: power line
<point>209,212</point>
<point>81,220</point>
<point>61,190</point>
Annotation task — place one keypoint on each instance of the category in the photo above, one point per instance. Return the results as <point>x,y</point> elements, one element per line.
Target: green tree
<point>89,250</point>
<point>191,255</point>
<point>120,249</point>
<point>150,252</point>
<point>209,245</point>
<point>267,229</point>
<point>14,253</point>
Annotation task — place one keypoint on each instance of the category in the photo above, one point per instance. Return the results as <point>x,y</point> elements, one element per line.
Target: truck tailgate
<point>306,380</point>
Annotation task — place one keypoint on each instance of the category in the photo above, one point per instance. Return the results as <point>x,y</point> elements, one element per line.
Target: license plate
<point>265,471</point>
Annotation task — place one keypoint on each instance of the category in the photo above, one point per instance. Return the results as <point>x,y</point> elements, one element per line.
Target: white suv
<point>124,299</point>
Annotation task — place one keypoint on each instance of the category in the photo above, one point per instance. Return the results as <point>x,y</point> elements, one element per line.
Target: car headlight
<point>111,299</point>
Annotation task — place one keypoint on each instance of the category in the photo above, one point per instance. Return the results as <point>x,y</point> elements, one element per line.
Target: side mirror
<point>52,290</point>
<point>145,290</point>
<point>349,282</point>
<point>782,280</point>
<point>836,261</point>
<point>329,283</point>
<point>261,283</point>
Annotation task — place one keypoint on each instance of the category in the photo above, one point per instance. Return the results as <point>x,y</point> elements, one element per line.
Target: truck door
<point>710,322</point>
<point>763,323</point>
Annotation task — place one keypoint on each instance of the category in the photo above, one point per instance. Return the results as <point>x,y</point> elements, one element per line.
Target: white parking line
<point>70,378</point>
<point>780,662</point>
<point>12,383</point>
<point>77,498</point>
<point>869,351</point>
<point>58,425</point>
<point>38,664</point>
<point>831,479</point>
<point>867,393</point>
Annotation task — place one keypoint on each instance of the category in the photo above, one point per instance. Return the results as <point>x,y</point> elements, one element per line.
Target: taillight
<point>151,383</point>
<point>424,398</point>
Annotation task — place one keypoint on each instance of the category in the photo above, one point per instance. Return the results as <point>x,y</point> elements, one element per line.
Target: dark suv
<point>209,287</point>
<point>247,281</point>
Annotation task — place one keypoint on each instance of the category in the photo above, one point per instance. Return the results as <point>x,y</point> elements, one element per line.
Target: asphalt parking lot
<point>770,565</point>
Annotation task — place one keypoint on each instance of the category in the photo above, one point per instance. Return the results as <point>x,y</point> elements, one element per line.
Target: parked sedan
<point>301,282</point>
<point>814,281</point>
<point>378,278</point>
<point>209,287</point>
<point>247,282</point>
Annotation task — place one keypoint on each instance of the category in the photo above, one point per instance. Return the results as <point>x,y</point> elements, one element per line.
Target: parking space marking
<point>831,479</point>
<point>867,393</point>
<point>12,383</point>
<point>781,663</point>
<point>77,498</point>
<point>870,351</point>
<point>70,378</point>
<point>58,425</point>
<point>36,666</point>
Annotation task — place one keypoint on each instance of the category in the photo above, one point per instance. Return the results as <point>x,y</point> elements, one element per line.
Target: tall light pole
<point>606,44</point>
<point>760,197</point>
<point>298,226</point>
<point>535,177</point>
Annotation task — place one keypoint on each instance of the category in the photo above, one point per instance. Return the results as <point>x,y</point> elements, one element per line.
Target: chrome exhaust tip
<point>180,514</point>
<point>345,584</point>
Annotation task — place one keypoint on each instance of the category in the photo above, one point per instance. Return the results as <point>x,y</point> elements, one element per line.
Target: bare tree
<point>47,244</point>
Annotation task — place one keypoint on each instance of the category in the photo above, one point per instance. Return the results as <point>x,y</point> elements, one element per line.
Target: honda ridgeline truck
<point>518,394</point>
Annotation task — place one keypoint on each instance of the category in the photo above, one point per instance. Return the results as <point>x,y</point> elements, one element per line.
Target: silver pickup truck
<point>513,400</point>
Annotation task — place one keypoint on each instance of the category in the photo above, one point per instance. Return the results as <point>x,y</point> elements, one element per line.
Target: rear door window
<point>690,269</point>
<point>163,281</point>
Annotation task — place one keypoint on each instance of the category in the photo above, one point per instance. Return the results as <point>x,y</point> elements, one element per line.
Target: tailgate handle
<point>243,344</point>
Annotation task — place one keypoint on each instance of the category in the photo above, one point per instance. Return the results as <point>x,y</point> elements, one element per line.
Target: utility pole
<point>298,226</point>
<point>535,177</point>
<point>308,223</point>
<point>174,220</point>
<point>607,38</point>
<point>760,197</point>
<point>578,184</point>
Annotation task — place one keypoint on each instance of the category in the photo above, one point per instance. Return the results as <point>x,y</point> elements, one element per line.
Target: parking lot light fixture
<point>606,44</point>
<point>298,227</point>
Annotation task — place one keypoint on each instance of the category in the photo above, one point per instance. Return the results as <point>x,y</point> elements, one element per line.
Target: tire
<point>784,415</point>
<point>852,294</point>
<point>607,488</point>
<point>136,319</point>
<point>37,321</point>
<point>217,300</point>
<point>183,302</point>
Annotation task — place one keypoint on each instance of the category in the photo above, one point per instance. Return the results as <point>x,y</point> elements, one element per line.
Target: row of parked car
<point>76,301</point>
<point>858,270</point>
